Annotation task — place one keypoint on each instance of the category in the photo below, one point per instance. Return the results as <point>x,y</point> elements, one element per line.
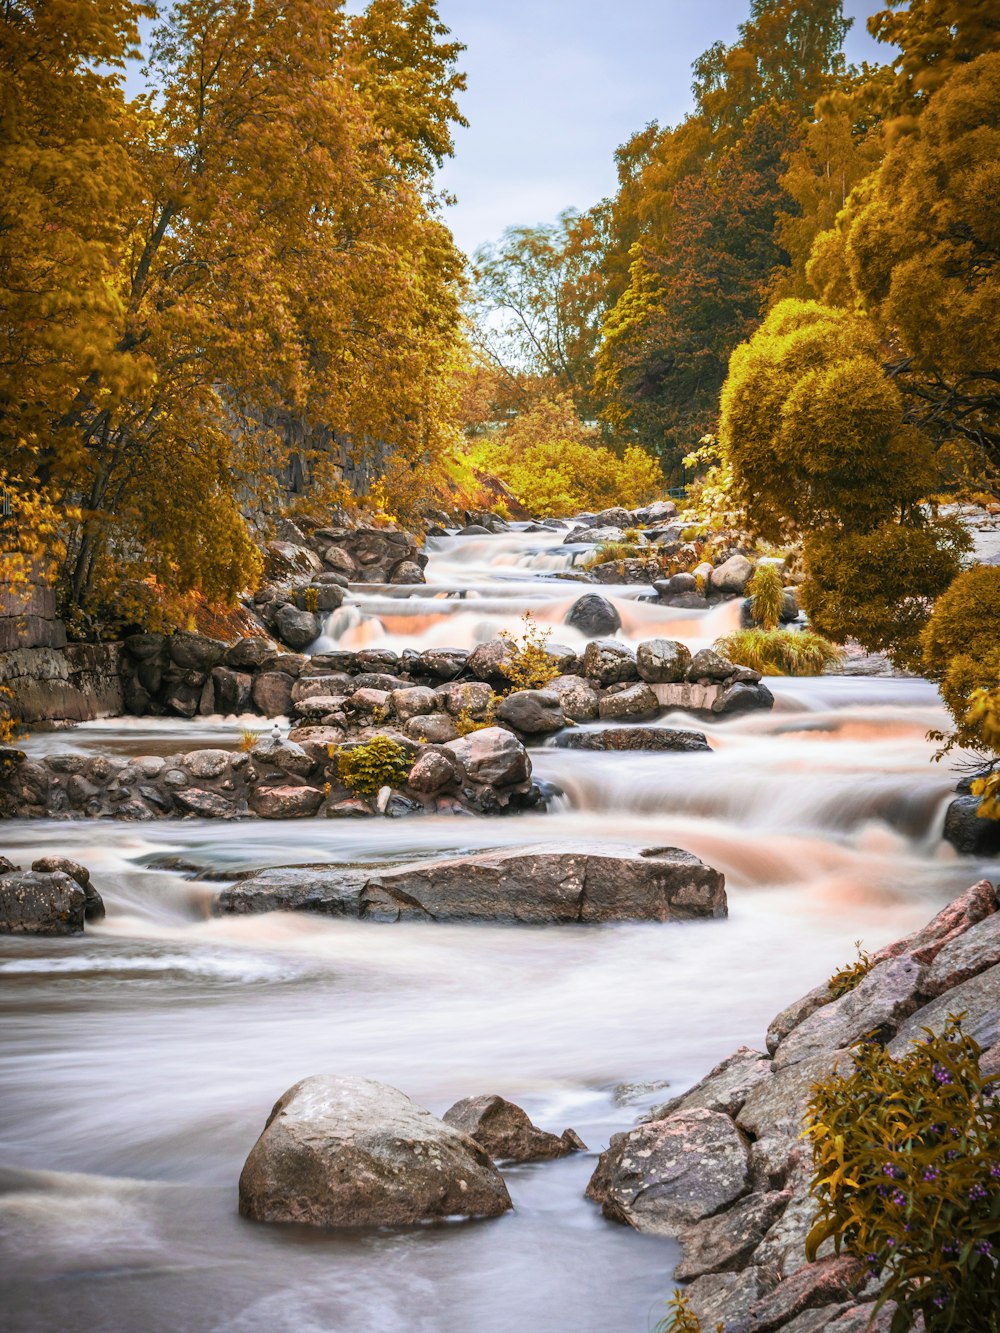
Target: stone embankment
<point>723,1167</point>
<point>537,886</point>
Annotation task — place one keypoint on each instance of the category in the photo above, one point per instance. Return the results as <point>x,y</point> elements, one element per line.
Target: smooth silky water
<point>140,1061</point>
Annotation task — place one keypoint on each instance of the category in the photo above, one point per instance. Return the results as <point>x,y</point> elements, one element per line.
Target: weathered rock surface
<point>662,661</point>
<point>633,738</point>
<point>350,1152</point>
<point>37,903</point>
<point>506,1131</point>
<point>966,832</point>
<point>669,1173</point>
<point>594,616</point>
<point>533,712</point>
<point>46,865</point>
<point>636,701</point>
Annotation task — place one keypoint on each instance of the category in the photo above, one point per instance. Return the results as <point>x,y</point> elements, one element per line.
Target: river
<point>139,1062</point>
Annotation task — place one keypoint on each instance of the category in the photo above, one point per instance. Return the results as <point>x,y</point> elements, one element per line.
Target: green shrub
<point>780,652</point>
<point>366,768</point>
<point>906,1161</point>
<point>767,595</point>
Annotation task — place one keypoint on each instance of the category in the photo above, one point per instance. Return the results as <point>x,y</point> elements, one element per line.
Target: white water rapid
<point>139,1062</point>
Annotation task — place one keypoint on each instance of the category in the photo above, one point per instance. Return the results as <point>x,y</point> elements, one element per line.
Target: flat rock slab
<point>350,1152</point>
<point>323,889</point>
<point>542,887</point>
<point>633,738</point>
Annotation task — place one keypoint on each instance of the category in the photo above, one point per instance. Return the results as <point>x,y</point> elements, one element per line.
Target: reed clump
<point>780,652</point>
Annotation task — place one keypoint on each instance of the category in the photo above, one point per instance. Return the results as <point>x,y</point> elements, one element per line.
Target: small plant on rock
<point>906,1158</point>
<point>680,1318</point>
<point>850,977</point>
<point>249,738</point>
<point>466,724</point>
<point>528,664</point>
<point>366,768</point>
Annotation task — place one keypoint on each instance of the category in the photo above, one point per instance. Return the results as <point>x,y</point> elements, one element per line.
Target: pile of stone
<point>488,772</point>
<point>537,886</point>
<point>429,695</point>
<point>723,1167</point>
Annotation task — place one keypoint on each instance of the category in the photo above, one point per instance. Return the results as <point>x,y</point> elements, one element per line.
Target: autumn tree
<point>279,255</point>
<point>814,432</point>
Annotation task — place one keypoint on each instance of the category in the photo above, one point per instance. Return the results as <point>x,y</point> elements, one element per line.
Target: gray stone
<point>232,690</point>
<point>662,1176</point>
<point>969,834</point>
<point>94,909</point>
<point>350,1152</point>
<point>492,755</point>
<point>636,701</point>
<point>609,662</point>
<point>195,652</point>
<point>594,616</point>
<point>732,576</point>
<point>542,886</point>
<point>725,1088</point>
<point>533,712</point>
<point>38,903</point>
<point>831,1281</point>
<point>431,728</point>
<point>296,628</point>
<point>326,890</point>
<point>441,663</point>
<point>285,802</point>
<point>978,999</point>
<point>708,665</point>
<point>795,1013</point>
<point>206,763</point>
<point>966,956</point>
<point>741,697</point>
<point>474,697</point>
<point>727,1240</point>
<point>633,738</point>
<point>725,1298</point>
<point>886,996</point>
<point>506,1131</point>
<point>204,804</point>
<point>489,662</point>
<point>272,693</point>
<point>662,661</point>
<point>414,702</point>
<point>284,754</point>
<point>577,697</point>
<point>249,652</point>
<point>433,770</point>
<point>319,598</point>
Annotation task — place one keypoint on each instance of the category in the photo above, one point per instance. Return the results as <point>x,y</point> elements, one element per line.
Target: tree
<point>961,648</point>
<point>815,436</point>
<point>539,293</point>
<point>919,248</point>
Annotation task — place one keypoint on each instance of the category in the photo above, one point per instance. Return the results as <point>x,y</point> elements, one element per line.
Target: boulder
<point>742,697</point>
<point>977,999</point>
<point>285,802</point>
<point>542,886</point>
<point>662,1176</point>
<point>633,738</point>
<point>431,729</point>
<point>284,754</point>
<point>594,616</point>
<point>247,653</point>
<point>350,1152</point>
<point>326,890</point>
<point>41,903</point>
<point>488,661</point>
<point>441,663</point>
<point>953,920</point>
<point>727,1240</point>
<point>506,1132</point>
<point>968,954</point>
<point>232,690</point>
<point>195,652</point>
<point>577,697</point>
<point>708,665</point>
<point>474,697</point>
<point>533,712</point>
<point>432,770</point>
<point>46,865</point>
<point>492,755</point>
<point>414,702</point>
<point>732,576</point>
<point>318,597</point>
<point>636,701</point>
<point>662,661</point>
<point>203,804</point>
<point>407,571</point>
<point>969,834</point>
<point>272,693</point>
<point>609,662</point>
<point>725,1088</point>
<point>284,559</point>
<point>296,628</point>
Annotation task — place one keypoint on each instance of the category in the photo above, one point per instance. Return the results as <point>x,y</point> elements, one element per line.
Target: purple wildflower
<point>899,1197</point>
<point>931,1173</point>
<point>984,1247</point>
<point>941,1074</point>
<point>977,1192</point>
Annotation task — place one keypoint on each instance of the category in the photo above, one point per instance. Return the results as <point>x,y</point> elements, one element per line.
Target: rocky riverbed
<point>143,1055</point>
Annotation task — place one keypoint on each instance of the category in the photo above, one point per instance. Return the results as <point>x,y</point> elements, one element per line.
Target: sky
<point>556,85</point>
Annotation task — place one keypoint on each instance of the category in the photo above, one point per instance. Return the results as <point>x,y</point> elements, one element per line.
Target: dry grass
<point>780,652</point>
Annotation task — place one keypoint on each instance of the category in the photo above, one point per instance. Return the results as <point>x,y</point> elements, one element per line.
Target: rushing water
<point>140,1061</point>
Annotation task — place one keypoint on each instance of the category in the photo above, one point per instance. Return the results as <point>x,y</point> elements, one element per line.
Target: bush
<point>767,595</point>
<point>680,1318</point>
<point>528,664</point>
<point>878,587</point>
<point>961,651</point>
<point>780,652</point>
<point>906,1157</point>
<point>372,765</point>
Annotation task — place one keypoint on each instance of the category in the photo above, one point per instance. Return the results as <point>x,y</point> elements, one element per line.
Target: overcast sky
<point>556,85</point>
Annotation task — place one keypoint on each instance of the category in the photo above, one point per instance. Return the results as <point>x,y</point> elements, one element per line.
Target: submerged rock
<point>594,616</point>
<point>506,1132</point>
<point>350,1152</point>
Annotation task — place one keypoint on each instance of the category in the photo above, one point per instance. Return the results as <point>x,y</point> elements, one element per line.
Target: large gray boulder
<point>594,616</point>
<point>350,1152</point>
<point>326,890</point>
<point>46,865</point>
<point>969,834</point>
<point>540,886</point>
<point>636,701</point>
<point>577,696</point>
<point>662,661</point>
<point>492,756</point>
<point>664,1175</point>
<point>296,628</point>
<point>609,662</point>
<point>506,1131</point>
<point>533,712</point>
<point>732,576</point>
<point>38,903</point>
